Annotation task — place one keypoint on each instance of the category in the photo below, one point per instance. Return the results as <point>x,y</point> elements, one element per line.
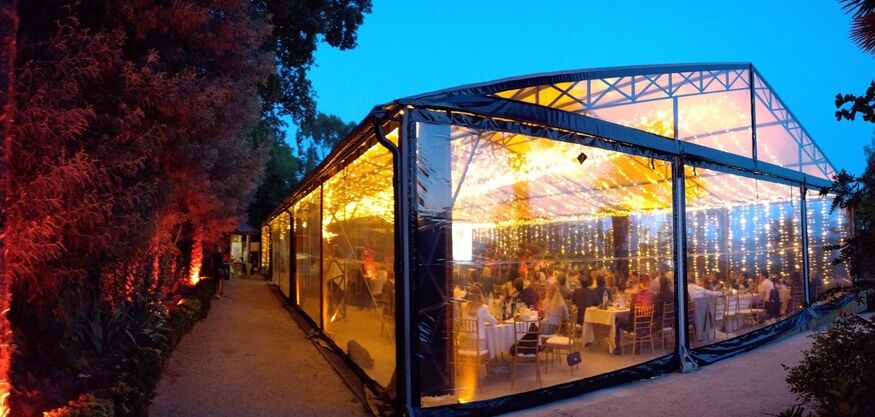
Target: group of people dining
<point>557,291</point>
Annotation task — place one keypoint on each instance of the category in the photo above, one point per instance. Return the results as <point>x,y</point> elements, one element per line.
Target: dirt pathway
<point>749,385</point>
<point>249,358</point>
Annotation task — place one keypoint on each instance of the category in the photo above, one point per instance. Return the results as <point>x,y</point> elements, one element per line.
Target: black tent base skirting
<point>808,318</point>
<point>376,399</point>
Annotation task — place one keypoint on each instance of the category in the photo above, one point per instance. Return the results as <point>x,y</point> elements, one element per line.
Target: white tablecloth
<point>701,318</point>
<point>784,292</point>
<point>500,338</point>
<point>604,317</point>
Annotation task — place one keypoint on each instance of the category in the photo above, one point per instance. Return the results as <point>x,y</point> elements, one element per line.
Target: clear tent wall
<point>692,181</point>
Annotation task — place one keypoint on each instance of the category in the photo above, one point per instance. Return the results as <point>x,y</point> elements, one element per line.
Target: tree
<point>8,33</point>
<point>297,28</point>
<point>280,175</point>
<point>132,133</point>
<point>316,137</point>
<point>863,25</point>
<point>858,192</point>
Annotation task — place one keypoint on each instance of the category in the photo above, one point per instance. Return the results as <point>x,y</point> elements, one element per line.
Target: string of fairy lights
<point>735,224</point>
<point>265,247</point>
<point>750,238</point>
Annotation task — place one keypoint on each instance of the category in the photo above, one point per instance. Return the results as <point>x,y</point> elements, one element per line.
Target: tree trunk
<point>8,30</point>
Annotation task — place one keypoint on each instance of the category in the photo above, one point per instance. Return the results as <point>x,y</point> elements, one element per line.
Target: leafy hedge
<point>129,391</point>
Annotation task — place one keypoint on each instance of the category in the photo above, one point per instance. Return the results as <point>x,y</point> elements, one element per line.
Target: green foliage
<point>857,193</point>
<point>86,405</point>
<point>836,376</point>
<point>863,23</point>
<point>279,177</point>
<point>316,137</point>
<point>126,385</point>
<point>297,28</point>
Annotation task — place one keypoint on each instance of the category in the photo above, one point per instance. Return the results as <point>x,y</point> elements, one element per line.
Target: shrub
<point>130,386</point>
<point>836,376</point>
<point>86,405</point>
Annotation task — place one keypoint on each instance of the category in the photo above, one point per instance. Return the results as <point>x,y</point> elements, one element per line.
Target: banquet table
<point>702,319</point>
<point>501,337</point>
<point>784,293</point>
<point>607,317</point>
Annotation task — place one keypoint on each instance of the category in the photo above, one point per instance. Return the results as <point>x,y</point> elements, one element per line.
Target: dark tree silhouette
<point>863,25</point>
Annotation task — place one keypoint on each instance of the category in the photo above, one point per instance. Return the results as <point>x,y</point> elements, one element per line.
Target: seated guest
<point>526,295</point>
<point>477,309</point>
<point>601,291</point>
<point>642,296</point>
<point>584,297</point>
<point>563,286</point>
<point>698,291</point>
<point>666,291</point>
<point>486,281</point>
<point>539,284</point>
<point>655,281</point>
<point>555,310</point>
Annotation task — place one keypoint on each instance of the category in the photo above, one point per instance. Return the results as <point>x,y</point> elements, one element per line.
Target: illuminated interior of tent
<point>561,231</point>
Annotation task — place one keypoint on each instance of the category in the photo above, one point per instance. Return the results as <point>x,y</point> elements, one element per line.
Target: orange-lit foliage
<point>132,128</point>
<point>8,33</point>
<point>197,256</point>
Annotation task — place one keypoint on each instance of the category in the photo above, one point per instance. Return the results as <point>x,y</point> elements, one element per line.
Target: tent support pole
<point>403,356</point>
<point>682,345</point>
<point>806,276</point>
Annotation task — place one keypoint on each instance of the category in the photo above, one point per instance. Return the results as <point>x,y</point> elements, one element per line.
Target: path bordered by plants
<point>249,358</point>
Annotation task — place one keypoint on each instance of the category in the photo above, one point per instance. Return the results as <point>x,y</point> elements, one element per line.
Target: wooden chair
<point>718,311</point>
<point>730,312</point>
<point>386,307</point>
<point>562,342</point>
<point>758,309</point>
<point>642,330</point>
<point>797,300</point>
<point>527,350</point>
<point>751,308</point>
<point>666,328</point>
<point>470,349</point>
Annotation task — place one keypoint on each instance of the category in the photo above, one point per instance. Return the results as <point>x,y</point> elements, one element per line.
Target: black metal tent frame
<point>477,106</point>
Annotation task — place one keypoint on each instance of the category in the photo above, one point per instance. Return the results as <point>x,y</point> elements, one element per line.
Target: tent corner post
<point>682,345</point>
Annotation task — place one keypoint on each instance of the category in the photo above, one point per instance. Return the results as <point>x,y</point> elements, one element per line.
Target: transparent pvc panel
<point>718,120</point>
<point>826,228</point>
<point>514,228</point>
<point>358,256</point>
<point>781,140</point>
<point>813,161</point>
<point>308,238</point>
<point>744,240</point>
<point>775,144</point>
<point>711,108</point>
<point>281,248</point>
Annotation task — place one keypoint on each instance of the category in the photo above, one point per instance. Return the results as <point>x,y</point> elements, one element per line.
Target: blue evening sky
<point>409,47</point>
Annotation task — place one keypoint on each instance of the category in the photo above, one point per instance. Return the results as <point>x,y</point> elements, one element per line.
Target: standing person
<point>765,286</point>
<point>224,274</point>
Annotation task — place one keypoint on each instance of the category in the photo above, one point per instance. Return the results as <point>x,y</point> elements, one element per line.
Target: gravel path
<point>749,385</point>
<point>250,358</point>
